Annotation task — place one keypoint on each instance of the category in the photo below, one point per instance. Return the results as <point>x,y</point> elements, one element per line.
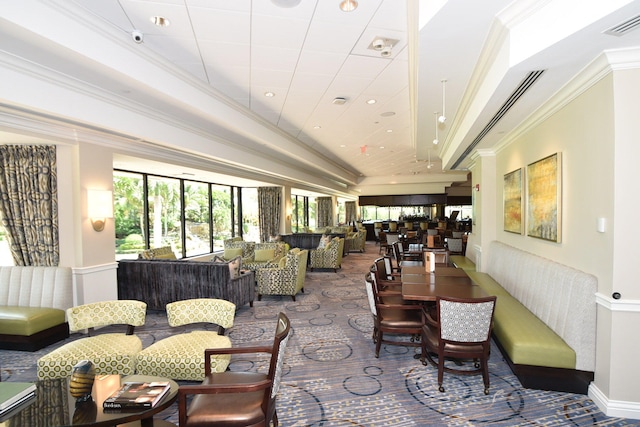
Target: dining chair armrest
<point>231,350</point>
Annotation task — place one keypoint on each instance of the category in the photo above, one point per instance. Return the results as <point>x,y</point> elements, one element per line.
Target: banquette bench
<point>33,301</point>
<point>162,281</point>
<point>544,320</point>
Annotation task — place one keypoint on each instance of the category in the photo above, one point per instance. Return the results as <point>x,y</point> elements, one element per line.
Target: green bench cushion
<point>461,261</point>
<point>26,321</point>
<point>526,339</point>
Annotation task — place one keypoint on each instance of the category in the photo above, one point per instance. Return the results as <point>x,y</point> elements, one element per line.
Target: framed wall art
<point>544,193</point>
<point>512,196</point>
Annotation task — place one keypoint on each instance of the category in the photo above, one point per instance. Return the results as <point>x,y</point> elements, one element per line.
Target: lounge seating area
<point>33,301</point>
<point>545,318</point>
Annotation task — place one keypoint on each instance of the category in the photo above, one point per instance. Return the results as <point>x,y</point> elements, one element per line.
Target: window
<point>250,225</point>
<point>222,214</point>
<point>196,218</point>
<point>165,225</point>
<point>128,211</point>
<point>5,253</point>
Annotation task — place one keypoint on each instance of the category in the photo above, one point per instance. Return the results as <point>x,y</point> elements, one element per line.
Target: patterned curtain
<point>350,212</point>
<point>29,203</point>
<point>269,202</point>
<point>325,211</point>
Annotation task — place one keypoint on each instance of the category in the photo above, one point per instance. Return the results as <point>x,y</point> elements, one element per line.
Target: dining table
<point>420,285</point>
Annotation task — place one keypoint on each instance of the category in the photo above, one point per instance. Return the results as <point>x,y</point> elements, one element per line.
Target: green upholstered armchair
<point>234,248</point>
<point>357,241</point>
<point>180,356</point>
<point>328,257</point>
<point>111,353</point>
<point>287,278</point>
<point>266,255</point>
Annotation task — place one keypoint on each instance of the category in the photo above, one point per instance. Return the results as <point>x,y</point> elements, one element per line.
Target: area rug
<point>332,378</point>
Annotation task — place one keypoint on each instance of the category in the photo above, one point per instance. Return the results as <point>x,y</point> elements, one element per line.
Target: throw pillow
<point>230,253</point>
<point>264,255</point>
<point>235,265</point>
<point>323,241</point>
<point>283,262</point>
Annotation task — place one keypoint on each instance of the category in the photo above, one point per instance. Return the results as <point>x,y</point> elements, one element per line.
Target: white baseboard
<point>614,408</point>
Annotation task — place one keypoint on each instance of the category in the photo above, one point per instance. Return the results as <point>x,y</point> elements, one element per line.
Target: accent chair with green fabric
<point>286,279</point>
<point>180,356</point>
<point>111,353</point>
<point>266,255</point>
<point>328,257</point>
<point>357,241</point>
<point>239,248</point>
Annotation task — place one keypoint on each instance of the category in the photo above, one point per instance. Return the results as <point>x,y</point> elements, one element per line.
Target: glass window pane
<point>312,213</point>
<point>128,211</point>
<point>164,213</point>
<point>196,214</point>
<point>250,226</point>
<point>222,214</point>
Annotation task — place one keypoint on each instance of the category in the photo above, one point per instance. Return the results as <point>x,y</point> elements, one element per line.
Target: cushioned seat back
<point>562,297</point>
<point>198,310</point>
<point>36,287</point>
<point>104,313</point>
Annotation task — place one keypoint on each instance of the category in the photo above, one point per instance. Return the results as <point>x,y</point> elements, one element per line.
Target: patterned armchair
<point>328,257</point>
<point>287,278</point>
<point>235,248</point>
<point>266,255</point>
<point>357,241</point>
<point>111,353</point>
<point>180,356</point>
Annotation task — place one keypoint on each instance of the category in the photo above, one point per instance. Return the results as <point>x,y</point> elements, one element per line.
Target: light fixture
<point>269,94</point>
<point>442,117</point>
<point>339,101</point>
<point>435,140</point>
<point>99,207</point>
<point>386,51</point>
<point>160,21</point>
<point>286,3</point>
<point>348,5</point>
<point>371,101</point>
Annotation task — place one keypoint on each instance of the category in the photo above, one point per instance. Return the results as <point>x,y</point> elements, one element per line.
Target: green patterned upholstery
<point>181,356</point>
<point>279,249</point>
<point>111,353</point>
<point>328,257</point>
<point>164,252</point>
<point>357,241</point>
<point>285,280</point>
<point>247,249</point>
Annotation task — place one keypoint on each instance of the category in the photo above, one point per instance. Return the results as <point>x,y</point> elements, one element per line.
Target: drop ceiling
<point>192,94</point>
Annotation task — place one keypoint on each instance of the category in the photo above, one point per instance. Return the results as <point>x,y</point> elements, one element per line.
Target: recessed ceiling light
<point>389,130</point>
<point>317,127</point>
<point>388,114</point>
<point>342,145</point>
<point>382,147</point>
<point>371,101</point>
<point>160,21</point>
<point>269,94</point>
<point>348,5</point>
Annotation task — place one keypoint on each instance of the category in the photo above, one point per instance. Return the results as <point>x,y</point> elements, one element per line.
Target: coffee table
<point>53,406</point>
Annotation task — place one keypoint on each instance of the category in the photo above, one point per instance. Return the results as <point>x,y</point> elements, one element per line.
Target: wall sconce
<point>477,187</point>
<point>99,207</point>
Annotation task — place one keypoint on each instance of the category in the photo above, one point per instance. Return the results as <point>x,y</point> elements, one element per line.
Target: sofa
<point>544,320</point>
<point>33,301</point>
<point>162,281</point>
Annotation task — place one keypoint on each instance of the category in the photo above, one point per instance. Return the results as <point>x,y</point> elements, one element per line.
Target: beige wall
<point>599,150</point>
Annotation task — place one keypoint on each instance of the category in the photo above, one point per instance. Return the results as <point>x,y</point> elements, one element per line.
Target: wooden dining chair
<point>235,398</point>
<point>462,330</point>
<point>394,319</point>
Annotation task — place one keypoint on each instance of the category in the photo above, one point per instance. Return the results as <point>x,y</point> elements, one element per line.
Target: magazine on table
<point>137,395</point>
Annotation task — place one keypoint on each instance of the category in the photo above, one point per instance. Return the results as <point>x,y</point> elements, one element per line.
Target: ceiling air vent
<point>624,27</point>
<point>524,86</point>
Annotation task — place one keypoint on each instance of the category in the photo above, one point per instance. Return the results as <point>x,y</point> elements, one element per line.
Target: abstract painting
<point>544,192</point>
<point>512,194</point>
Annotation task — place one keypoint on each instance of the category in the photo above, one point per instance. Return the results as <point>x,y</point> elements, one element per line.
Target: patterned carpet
<point>332,378</point>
